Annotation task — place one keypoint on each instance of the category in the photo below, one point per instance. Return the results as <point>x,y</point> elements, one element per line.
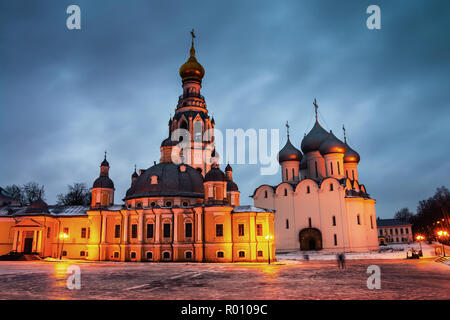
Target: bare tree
<point>78,194</point>
<point>404,215</point>
<point>16,192</point>
<point>32,191</point>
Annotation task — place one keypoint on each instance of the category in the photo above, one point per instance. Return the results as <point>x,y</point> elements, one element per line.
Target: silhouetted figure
<point>341,260</point>
<point>306,257</point>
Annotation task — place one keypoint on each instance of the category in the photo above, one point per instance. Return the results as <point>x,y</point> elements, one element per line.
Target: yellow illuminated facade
<point>180,209</point>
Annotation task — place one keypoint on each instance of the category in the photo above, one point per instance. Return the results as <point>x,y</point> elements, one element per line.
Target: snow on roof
<point>250,208</point>
<point>391,223</point>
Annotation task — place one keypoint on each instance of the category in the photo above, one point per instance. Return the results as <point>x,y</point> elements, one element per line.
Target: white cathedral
<point>320,203</point>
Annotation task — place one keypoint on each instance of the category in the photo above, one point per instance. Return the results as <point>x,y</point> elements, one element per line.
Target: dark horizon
<point>70,95</point>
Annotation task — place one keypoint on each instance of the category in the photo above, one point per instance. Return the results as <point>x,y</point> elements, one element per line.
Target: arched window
<point>353,173</point>
<point>335,240</point>
<point>358,220</point>
<point>286,176</point>
<point>308,189</point>
<point>317,172</point>
<point>309,222</point>
<point>293,174</point>
<point>287,223</point>
<point>334,220</point>
<point>265,194</point>
<point>331,187</point>
<point>285,192</point>
<point>149,255</point>
<point>198,131</point>
<point>168,204</point>
<point>339,168</point>
<point>331,166</point>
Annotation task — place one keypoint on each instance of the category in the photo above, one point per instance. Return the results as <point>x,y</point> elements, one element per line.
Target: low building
<point>391,231</point>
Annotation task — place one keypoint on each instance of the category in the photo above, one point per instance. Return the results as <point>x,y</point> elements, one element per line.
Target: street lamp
<point>442,233</point>
<point>268,238</point>
<point>62,236</point>
<point>420,238</point>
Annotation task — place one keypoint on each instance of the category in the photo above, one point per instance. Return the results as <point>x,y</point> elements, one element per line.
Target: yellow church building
<point>176,210</point>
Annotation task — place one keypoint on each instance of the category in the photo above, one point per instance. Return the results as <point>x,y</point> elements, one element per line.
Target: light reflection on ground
<point>401,279</point>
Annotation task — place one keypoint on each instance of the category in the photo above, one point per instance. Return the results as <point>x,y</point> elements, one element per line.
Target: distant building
<point>394,231</point>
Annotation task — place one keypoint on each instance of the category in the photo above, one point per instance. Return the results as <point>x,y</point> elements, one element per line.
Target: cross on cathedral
<point>287,128</point>
<point>316,106</point>
<point>345,137</point>
<point>105,154</point>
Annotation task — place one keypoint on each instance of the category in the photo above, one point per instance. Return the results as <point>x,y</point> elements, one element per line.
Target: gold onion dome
<point>192,69</point>
<point>351,156</point>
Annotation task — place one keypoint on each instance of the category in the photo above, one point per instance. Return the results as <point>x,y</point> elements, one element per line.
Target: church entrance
<point>28,245</point>
<point>310,239</point>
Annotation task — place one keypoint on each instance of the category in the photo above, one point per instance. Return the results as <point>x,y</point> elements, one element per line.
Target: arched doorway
<point>310,239</point>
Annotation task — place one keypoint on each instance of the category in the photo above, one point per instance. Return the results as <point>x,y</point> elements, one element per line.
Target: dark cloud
<point>66,96</point>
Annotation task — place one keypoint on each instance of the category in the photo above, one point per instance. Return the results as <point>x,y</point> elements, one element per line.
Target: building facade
<point>393,231</point>
<point>320,203</point>
<point>185,208</point>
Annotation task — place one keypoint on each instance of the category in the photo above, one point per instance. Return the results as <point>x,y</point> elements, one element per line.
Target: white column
<point>175,227</point>
<point>199,227</point>
<point>104,228</point>
<point>125,228</point>
<point>33,247</point>
<point>140,226</point>
<point>14,247</point>
<point>157,227</point>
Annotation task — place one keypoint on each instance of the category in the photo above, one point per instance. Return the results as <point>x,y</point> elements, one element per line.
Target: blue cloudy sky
<point>66,96</point>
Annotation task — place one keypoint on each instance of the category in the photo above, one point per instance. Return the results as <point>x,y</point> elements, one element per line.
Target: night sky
<point>66,96</point>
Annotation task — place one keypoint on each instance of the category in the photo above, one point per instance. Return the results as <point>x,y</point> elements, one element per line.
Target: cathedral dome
<point>103,182</point>
<point>351,156</point>
<point>332,145</point>
<point>167,180</point>
<point>192,69</point>
<point>289,153</point>
<point>232,186</point>
<point>313,140</point>
<point>168,143</point>
<point>215,174</point>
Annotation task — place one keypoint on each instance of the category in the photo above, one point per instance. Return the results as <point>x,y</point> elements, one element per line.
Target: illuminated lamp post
<point>440,234</point>
<point>62,236</point>
<point>268,238</point>
<point>420,238</point>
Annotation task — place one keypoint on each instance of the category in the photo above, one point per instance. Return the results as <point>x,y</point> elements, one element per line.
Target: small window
<point>259,229</point>
<point>64,253</point>
<point>335,240</point>
<point>265,194</point>
<point>339,168</point>
<point>401,230</point>
<point>331,166</point>
<point>116,254</point>
<point>153,204</point>
<point>309,222</point>
<point>317,172</point>
<point>82,254</point>
<point>293,174</point>
<point>260,253</point>
<point>308,189</point>
<point>371,223</point>
<point>166,255</point>
<point>287,223</point>
<point>117,231</point>
<point>134,231</point>
<point>381,232</point>
<point>241,254</point>
<point>139,205</point>
<point>133,255</point>
<point>188,230</point>
<point>407,230</point>
<point>358,219</point>
<point>166,230</point>
<point>334,220</point>
<point>149,255</point>
<point>185,204</point>
<point>331,187</point>
<point>168,204</point>
<point>396,231</point>
<point>241,230</point>
<point>219,254</point>
<point>219,230</point>
<point>188,254</point>
<point>285,192</point>
<point>88,233</point>
<point>49,232</point>
<point>149,230</point>
<point>83,233</point>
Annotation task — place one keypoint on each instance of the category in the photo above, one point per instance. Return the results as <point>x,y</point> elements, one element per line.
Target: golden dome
<point>191,69</point>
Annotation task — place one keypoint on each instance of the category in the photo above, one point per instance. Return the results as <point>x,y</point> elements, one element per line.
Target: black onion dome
<point>38,206</point>
<point>215,174</point>
<point>104,163</point>
<point>228,168</point>
<point>232,186</point>
<point>332,145</point>
<point>312,141</point>
<point>289,153</point>
<point>134,175</point>
<point>351,156</point>
<point>103,182</point>
<point>172,180</point>
<point>168,143</point>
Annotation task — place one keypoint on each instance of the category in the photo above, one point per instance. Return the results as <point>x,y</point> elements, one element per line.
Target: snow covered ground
<point>393,251</point>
